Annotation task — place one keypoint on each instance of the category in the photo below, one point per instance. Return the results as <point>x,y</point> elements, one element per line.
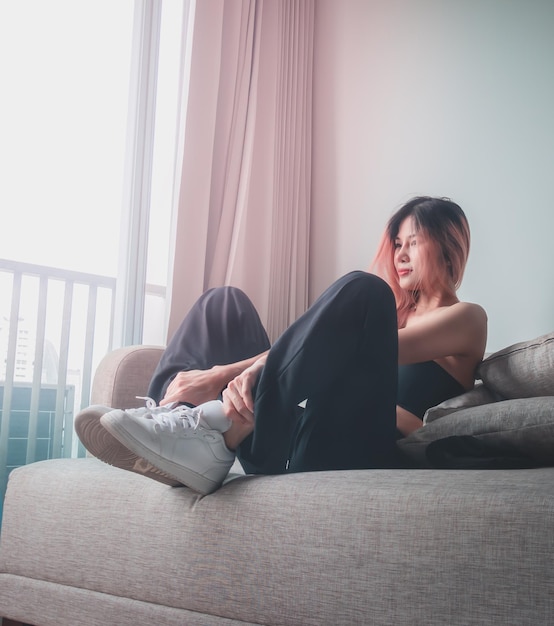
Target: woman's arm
<point>407,422</point>
<point>456,330</point>
<point>198,386</point>
<point>238,401</point>
<point>456,334</point>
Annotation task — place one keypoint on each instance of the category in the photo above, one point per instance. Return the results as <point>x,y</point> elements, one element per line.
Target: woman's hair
<point>444,226</point>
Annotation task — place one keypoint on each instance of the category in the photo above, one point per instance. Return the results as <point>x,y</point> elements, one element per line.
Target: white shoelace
<point>170,417</point>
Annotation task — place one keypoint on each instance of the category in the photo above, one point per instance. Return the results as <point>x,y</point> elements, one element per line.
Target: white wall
<point>440,97</point>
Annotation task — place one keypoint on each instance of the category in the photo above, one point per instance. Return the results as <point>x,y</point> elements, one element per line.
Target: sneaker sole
<point>104,446</point>
<point>185,476</point>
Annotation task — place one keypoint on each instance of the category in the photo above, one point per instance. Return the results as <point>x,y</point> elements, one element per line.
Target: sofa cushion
<point>102,546</point>
<point>522,370</point>
<point>477,396</point>
<point>511,429</point>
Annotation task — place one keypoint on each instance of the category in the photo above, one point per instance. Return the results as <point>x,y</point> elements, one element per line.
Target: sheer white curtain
<point>244,196</point>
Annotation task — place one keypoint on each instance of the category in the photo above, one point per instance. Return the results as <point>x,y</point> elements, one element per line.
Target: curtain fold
<point>244,199</point>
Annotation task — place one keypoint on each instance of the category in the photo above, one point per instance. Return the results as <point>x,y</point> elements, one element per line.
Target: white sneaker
<point>211,414</point>
<point>177,441</point>
<point>101,444</point>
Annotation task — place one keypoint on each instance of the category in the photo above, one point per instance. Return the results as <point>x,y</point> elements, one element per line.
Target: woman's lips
<point>403,272</point>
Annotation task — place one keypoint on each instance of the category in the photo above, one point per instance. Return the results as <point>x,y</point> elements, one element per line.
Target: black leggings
<point>341,356</point>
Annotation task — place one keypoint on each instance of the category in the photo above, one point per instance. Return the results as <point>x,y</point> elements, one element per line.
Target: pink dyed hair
<point>446,229</point>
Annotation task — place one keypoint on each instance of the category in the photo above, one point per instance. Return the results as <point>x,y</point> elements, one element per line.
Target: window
<point>64,125</point>
<point>65,68</point>
<point>68,70</point>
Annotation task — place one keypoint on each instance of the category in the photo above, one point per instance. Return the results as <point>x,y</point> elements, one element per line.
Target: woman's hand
<point>194,386</point>
<point>238,402</point>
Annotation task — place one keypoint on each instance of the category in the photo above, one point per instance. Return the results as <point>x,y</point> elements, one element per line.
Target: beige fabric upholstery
<point>330,548</point>
<point>59,605</point>
<point>124,374</point>
<point>86,543</point>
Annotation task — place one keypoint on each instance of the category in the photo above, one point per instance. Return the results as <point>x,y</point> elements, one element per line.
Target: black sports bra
<point>423,385</point>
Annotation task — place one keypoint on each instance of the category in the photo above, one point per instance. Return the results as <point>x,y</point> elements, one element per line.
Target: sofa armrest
<point>124,374</point>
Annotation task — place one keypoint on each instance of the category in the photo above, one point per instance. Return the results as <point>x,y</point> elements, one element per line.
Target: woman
<point>366,360</point>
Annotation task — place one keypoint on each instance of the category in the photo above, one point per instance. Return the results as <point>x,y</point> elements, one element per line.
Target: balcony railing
<point>55,325</point>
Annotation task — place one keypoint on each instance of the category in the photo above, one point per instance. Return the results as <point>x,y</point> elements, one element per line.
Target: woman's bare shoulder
<point>459,329</point>
<point>458,312</point>
<point>470,311</point>
<point>472,321</point>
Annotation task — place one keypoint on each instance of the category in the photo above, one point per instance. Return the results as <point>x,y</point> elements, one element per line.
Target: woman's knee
<point>223,292</point>
<point>225,297</point>
<point>366,286</point>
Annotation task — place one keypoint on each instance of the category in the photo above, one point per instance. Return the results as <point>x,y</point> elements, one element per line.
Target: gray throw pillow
<point>519,427</point>
<point>522,370</point>
<point>477,396</point>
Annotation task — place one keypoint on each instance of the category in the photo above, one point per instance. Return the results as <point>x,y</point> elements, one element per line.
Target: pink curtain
<point>244,198</point>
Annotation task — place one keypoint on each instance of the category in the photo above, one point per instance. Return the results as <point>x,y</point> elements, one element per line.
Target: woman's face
<point>409,248</point>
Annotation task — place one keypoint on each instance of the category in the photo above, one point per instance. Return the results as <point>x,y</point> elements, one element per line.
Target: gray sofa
<point>83,543</point>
